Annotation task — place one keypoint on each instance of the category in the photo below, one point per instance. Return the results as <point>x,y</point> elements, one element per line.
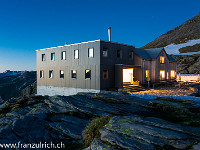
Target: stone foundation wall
<point>64,91</point>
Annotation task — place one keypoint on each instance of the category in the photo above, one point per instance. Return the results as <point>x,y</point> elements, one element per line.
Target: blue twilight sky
<point>27,25</point>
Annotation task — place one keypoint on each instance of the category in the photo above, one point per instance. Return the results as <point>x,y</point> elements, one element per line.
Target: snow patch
<point>173,48</point>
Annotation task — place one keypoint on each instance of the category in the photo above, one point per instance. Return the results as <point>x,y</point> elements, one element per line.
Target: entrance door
<point>128,76</point>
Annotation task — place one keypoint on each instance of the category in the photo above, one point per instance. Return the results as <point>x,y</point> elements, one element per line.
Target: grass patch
<point>92,130</point>
<point>177,114</point>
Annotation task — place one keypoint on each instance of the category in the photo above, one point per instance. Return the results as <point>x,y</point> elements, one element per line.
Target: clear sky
<point>27,25</point>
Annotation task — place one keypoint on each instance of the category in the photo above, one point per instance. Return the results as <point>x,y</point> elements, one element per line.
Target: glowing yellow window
<point>162,74</point>
<point>172,74</point>
<point>147,73</point>
<point>162,59</point>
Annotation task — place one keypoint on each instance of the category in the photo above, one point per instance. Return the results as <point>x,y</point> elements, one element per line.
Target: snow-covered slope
<point>174,48</point>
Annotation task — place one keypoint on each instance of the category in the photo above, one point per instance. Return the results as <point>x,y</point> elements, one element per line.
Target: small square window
<point>41,73</point>
<point>119,53</point>
<point>91,52</point>
<point>61,73</point>
<point>105,74</point>
<point>63,55</point>
<point>76,55</point>
<point>43,57</point>
<point>87,74</point>
<point>52,56</point>
<point>51,74</point>
<point>131,55</point>
<point>74,74</point>
<point>105,52</point>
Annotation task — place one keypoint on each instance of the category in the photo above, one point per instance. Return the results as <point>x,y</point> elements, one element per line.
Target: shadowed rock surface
<point>135,123</point>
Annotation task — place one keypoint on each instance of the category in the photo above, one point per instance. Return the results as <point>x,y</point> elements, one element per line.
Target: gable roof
<point>171,59</point>
<point>148,53</point>
<point>152,53</point>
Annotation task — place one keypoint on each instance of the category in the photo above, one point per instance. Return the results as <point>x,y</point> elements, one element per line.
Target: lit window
<point>105,74</point>
<point>43,57</point>
<point>87,74</point>
<point>74,76</point>
<point>76,54</point>
<point>162,59</point>
<point>147,73</point>
<point>162,74</point>
<point>167,75</point>
<point>119,55</point>
<point>41,74</point>
<point>172,74</point>
<point>52,56</point>
<point>91,52</point>
<point>105,52</point>
<point>61,73</point>
<point>51,74</point>
<point>130,55</point>
<point>63,55</point>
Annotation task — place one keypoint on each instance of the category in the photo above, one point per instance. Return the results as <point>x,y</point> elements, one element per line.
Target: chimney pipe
<point>109,33</point>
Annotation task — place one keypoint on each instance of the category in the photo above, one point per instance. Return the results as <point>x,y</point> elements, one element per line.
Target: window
<point>162,59</point>
<point>130,55</point>
<point>52,56</point>
<point>91,52</point>
<point>41,74</point>
<point>61,73</point>
<point>76,54</point>
<point>162,74</point>
<point>87,74</point>
<point>119,53</point>
<point>43,57</point>
<point>172,74</point>
<point>63,55</point>
<point>167,75</point>
<point>147,73</point>
<point>51,74</point>
<point>105,52</point>
<point>105,74</point>
<point>74,76</point>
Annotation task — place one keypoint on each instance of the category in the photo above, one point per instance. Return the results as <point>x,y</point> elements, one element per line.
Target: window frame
<point>41,73</point>
<point>76,50</point>
<point>73,73</point>
<point>89,56</point>
<point>63,58</point>
<point>62,76</point>
<point>51,77</point>
<point>106,52</point>
<point>162,78</point>
<point>162,59</point>
<point>43,58</point>
<point>87,78</point>
<point>104,74</point>
<point>120,53</point>
<point>130,55</point>
<point>53,58</point>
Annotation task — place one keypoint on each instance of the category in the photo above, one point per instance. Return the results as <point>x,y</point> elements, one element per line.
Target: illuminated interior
<point>172,74</point>
<point>167,75</point>
<point>128,75</point>
<point>162,59</point>
<point>162,74</point>
<point>147,73</point>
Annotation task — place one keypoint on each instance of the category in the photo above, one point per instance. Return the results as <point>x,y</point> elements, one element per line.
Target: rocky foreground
<point>134,123</point>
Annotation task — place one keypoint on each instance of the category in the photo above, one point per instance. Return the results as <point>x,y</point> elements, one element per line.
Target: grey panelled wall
<point>80,65</point>
<point>108,63</point>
